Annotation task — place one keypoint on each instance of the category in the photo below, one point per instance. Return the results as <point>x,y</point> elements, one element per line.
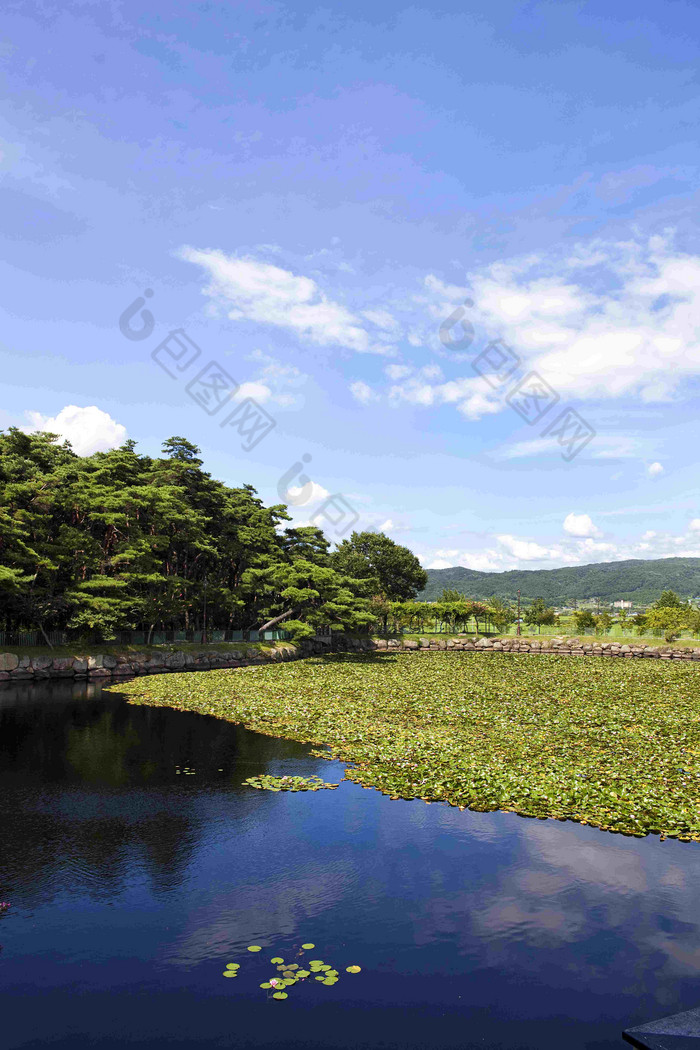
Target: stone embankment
<point>568,646</point>
<point>127,665</point>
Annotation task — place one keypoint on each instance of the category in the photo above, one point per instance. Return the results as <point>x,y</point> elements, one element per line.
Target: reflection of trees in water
<point>89,798</point>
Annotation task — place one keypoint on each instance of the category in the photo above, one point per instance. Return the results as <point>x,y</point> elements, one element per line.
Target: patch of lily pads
<point>269,783</point>
<point>610,743</point>
<point>290,973</point>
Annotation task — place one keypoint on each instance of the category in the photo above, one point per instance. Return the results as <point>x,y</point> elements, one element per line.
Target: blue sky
<point>310,193</point>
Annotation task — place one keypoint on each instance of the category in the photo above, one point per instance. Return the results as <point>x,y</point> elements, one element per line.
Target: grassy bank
<point>615,744</point>
<point>77,650</point>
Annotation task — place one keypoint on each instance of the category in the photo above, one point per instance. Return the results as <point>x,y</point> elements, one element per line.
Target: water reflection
<point>132,883</point>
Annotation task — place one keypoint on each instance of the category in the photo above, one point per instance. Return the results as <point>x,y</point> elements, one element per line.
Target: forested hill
<point>634,580</point>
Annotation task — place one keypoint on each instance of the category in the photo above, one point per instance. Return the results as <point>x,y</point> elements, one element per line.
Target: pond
<point>137,865</point>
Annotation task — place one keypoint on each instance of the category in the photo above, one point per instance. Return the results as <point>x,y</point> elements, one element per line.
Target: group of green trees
<point>453,612</point>
<point>119,540</point>
<point>669,614</point>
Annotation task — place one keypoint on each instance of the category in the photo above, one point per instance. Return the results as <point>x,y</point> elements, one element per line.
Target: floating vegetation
<point>254,948</point>
<point>292,973</point>
<point>610,743</point>
<point>268,783</point>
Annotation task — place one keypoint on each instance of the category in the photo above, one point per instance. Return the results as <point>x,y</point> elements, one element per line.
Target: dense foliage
<point>639,581</point>
<point>391,570</point>
<point>611,743</point>
<point>120,540</point>
<point>670,615</point>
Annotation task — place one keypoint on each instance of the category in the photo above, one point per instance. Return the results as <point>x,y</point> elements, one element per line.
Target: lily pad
<point>353,969</point>
<point>230,973</point>
<point>254,948</point>
<point>330,980</point>
<point>307,946</point>
<point>316,962</point>
<point>277,959</point>
<point>321,978</point>
<point>266,984</point>
<point>233,966</point>
<point>543,738</point>
<point>279,995</point>
<point>268,783</point>
<point>303,973</point>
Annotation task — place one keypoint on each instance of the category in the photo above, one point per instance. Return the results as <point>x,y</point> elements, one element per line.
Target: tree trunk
<point>282,616</point>
<point>45,636</point>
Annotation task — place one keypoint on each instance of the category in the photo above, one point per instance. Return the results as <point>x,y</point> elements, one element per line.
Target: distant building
<point>622,605</point>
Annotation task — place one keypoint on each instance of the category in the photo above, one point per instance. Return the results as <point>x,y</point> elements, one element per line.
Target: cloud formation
<point>88,429</point>
<point>252,290</point>
<point>580,525</point>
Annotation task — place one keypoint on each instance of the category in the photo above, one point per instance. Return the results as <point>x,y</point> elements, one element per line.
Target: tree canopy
<point>117,540</point>
<point>389,569</point>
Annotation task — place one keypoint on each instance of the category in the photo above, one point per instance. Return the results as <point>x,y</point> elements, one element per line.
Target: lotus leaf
<point>608,743</point>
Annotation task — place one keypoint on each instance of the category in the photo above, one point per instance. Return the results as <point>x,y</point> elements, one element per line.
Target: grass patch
<point>615,744</point>
<point>106,648</point>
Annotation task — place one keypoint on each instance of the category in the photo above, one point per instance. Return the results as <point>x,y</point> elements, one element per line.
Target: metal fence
<point>36,638</point>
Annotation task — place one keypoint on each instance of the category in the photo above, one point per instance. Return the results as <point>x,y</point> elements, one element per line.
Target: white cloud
<point>654,469</point>
<point>470,395</point>
<point>88,429</point>
<point>398,371</point>
<point>606,446</point>
<point>525,550</point>
<point>274,381</point>
<point>312,494</point>
<point>362,392</point>
<point>606,320</point>
<point>580,525</point>
<point>386,526</point>
<point>249,289</point>
<point>512,552</point>
<point>257,391</point>
<point>382,319</point>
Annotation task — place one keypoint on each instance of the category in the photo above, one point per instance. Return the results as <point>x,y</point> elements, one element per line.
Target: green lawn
<point>612,743</point>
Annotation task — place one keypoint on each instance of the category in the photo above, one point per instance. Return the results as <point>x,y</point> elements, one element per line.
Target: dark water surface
<point>132,885</point>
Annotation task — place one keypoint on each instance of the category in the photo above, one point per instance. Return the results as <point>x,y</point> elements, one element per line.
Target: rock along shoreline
<point>128,665</point>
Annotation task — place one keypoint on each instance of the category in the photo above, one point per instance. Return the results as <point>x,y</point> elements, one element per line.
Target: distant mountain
<point>638,581</point>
